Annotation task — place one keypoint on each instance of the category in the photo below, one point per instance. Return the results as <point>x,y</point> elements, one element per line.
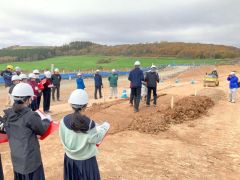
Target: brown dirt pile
<point>154,120</point>
<point>188,108</point>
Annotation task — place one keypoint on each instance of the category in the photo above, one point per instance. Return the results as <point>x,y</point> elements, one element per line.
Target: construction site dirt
<point>197,138</point>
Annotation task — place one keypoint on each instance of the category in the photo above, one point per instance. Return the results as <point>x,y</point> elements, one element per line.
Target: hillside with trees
<point>163,49</point>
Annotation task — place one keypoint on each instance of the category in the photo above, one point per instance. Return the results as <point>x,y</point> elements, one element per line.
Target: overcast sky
<point>55,22</point>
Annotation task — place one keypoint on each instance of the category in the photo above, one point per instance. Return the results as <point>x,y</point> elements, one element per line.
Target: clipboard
<point>3,138</point>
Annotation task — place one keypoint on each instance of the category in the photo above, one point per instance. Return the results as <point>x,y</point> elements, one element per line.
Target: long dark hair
<point>19,103</point>
<point>78,120</point>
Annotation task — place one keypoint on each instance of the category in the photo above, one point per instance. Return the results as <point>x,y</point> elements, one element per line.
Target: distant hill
<point>162,49</point>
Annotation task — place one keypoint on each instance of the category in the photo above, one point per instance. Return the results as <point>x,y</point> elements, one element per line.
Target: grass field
<point>71,63</point>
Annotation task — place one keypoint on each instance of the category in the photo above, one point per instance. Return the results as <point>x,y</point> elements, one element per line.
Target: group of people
<point>49,84</point>
<point>78,133</point>
<point>140,83</point>
<point>98,84</point>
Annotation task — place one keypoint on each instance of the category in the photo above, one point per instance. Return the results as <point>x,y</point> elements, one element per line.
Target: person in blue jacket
<point>136,77</point>
<point>98,84</point>
<point>80,82</point>
<point>233,85</point>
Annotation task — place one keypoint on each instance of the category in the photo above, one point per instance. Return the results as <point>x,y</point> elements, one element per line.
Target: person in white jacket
<point>79,136</point>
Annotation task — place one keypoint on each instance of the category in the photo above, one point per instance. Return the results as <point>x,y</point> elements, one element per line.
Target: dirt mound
<point>188,108</point>
<point>154,120</point>
<point>213,93</point>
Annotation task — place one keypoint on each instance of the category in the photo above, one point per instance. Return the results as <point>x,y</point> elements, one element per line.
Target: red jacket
<point>34,85</point>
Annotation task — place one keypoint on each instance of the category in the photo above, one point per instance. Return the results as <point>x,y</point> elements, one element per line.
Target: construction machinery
<point>210,80</point>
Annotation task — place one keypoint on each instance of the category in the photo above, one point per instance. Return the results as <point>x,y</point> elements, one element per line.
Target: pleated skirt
<point>36,175</point>
<point>81,169</point>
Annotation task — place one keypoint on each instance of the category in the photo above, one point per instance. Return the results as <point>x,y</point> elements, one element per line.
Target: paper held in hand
<point>98,126</point>
<point>52,127</point>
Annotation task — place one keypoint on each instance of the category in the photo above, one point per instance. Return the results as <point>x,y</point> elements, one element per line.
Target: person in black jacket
<point>136,77</point>
<point>56,79</point>
<point>22,127</point>
<point>152,78</point>
<point>98,84</point>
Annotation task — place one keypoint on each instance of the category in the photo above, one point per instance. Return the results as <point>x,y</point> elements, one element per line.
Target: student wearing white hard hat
<point>32,82</point>
<point>98,84</point>
<point>80,81</point>
<point>79,136</point>
<point>233,86</point>
<point>151,79</point>
<point>22,127</point>
<point>56,80</point>
<point>15,80</point>
<point>23,78</point>
<point>113,79</point>
<point>40,87</point>
<point>18,70</point>
<point>136,77</point>
<point>47,85</point>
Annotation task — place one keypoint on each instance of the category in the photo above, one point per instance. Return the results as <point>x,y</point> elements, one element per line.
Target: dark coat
<point>56,79</point>
<point>152,78</point>
<point>22,128</point>
<point>98,80</point>
<point>7,76</point>
<point>136,77</point>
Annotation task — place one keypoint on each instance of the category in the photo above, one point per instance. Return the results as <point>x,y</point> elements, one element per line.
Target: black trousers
<point>136,92</point>
<point>1,170</point>
<point>98,89</point>
<point>46,99</point>
<point>54,89</point>
<point>150,89</point>
<point>131,96</point>
<point>34,105</point>
<point>39,100</point>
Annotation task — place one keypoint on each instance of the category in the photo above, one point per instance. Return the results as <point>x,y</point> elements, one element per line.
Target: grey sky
<point>55,22</point>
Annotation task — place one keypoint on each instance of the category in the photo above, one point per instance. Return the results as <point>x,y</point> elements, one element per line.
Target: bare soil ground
<point>206,145</point>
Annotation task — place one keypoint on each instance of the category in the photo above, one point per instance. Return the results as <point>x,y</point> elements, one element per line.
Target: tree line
<point>158,49</point>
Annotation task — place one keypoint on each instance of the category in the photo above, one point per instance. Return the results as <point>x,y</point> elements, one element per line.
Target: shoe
<point>147,105</point>
<point>131,104</point>
<point>110,97</point>
<point>53,99</point>
<point>232,101</point>
<point>58,100</point>
<point>136,110</point>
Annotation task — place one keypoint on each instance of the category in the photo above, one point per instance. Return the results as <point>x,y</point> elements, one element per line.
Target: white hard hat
<point>15,78</point>
<point>232,73</point>
<point>23,76</point>
<point>36,71</point>
<point>79,74</point>
<point>113,70</point>
<point>17,68</point>
<point>97,70</point>
<point>32,76</point>
<point>78,97</point>
<point>48,74</point>
<point>22,90</point>
<point>153,66</point>
<point>137,63</point>
<point>56,70</point>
